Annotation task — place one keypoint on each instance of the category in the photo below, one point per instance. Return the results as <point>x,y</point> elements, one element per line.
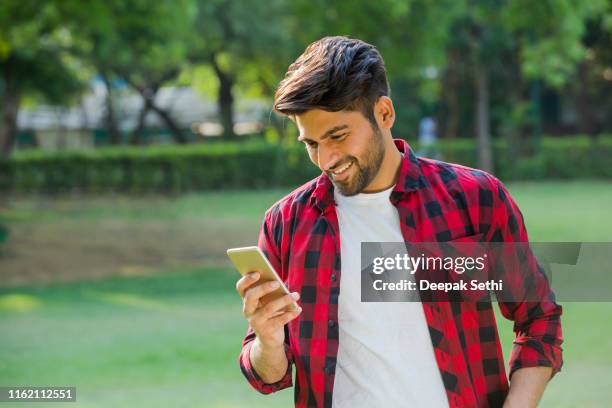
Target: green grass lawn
<point>172,339</point>
<point>140,342</point>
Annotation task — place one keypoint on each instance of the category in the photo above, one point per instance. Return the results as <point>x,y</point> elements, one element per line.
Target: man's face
<point>343,145</point>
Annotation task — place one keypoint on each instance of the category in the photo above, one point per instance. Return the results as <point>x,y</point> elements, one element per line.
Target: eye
<point>310,144</point>
<point>337,138</point>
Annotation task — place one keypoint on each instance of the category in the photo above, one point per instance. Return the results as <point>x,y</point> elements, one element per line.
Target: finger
<point>252,296</point>
<point>279,304</point>
<point>276,321</point>
<point>286,317</point>
<point>246,281</point>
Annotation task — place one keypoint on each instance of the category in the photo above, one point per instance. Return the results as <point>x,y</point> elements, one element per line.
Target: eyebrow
<point>326,134</point>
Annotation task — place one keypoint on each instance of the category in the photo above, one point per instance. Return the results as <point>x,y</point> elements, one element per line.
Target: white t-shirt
<point>385,355</point>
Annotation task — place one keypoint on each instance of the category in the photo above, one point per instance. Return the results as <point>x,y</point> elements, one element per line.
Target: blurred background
<point>138,142</point>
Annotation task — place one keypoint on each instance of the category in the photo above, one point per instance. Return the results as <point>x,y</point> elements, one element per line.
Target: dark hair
<point>334,74</point>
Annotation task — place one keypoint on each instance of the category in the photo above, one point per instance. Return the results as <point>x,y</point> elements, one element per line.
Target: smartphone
<point>252,259</point>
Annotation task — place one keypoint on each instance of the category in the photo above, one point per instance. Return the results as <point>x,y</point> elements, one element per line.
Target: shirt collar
<point>410,178</point>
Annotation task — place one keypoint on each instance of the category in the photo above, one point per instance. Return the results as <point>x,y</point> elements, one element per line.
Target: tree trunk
<point>586,120</point>
<point>135,135</point>
<point>452,98</point>
<point>148,96</point>
<point>226,99</point>
<point>513,128</point>
<point>10,109</point>
<point>111,121</point>
<point>179,137</point>
<point>226,102</point>
<point>482,119</point>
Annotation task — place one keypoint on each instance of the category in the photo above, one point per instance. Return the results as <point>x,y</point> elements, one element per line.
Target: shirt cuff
<point>255,380</point>
<point>533,352</point>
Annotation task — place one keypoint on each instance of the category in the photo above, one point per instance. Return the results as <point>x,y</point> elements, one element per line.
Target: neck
<point>387,174</point>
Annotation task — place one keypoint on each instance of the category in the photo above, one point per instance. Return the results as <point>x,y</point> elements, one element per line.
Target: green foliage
<point>163,168</point>
<point>569,158</point>
<point>550,35</point>
<point>260,165</point>
<point>247,41</point>
<point>4,234</point>
<point>139,40</point>
<point>35,50</point>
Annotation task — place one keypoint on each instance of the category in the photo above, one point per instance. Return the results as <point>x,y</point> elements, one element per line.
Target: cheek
<point>357,152</point>
<point>312,154</point>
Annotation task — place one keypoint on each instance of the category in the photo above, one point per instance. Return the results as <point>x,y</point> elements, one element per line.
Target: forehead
<point>315,121</point>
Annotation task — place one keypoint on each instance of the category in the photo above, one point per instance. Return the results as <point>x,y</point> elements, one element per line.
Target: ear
<point>384,112</point>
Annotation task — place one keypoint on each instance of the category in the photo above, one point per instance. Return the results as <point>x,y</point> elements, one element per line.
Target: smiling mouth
<point>341,170</point>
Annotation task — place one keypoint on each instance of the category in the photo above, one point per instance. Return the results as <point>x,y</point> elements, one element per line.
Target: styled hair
<point>333,74</point>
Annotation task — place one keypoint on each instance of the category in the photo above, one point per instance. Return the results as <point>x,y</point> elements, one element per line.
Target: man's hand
<point>268,322</point>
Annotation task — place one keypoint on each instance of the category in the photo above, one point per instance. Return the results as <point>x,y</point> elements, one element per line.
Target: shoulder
<point>463,188</point>
<point>291,204</point>
<point>456,178</point>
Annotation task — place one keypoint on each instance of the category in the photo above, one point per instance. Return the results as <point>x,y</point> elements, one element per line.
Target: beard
<point>366,169</point>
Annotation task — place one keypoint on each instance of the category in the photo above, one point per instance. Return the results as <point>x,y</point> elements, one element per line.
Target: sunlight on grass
<point>19,303</point>
<point>129,299</point>
<point>135,270</point>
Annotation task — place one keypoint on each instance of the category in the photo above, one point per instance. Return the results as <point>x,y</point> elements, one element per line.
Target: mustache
<point>342,163</point>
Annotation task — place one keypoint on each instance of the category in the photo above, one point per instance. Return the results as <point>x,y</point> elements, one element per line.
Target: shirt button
<point>333,277</point>
<point>330,323</point>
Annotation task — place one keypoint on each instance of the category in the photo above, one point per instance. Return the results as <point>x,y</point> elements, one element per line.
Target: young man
<point>349,353</point>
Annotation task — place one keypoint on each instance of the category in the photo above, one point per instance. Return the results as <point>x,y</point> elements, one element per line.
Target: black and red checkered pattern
<point>436,202</point>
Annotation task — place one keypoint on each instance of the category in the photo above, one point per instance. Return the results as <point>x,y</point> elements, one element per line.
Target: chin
<point>347,193</point>
<point>347,189</point>
<point>354,185</point>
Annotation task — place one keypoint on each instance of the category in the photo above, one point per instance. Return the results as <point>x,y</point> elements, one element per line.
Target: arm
<point>265,359</point>
<point>537,354</point>
<point>527,387</point>
<point>270,362</point>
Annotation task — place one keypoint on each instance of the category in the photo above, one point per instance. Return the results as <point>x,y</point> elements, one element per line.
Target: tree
<point>483,40</point>
<point>150,48</point>
<point>592,86</point>
<point>545,37</point>
<point>34,60</point>
<point>243,43</point>
<point>409,34</point>
<point>140,42</point>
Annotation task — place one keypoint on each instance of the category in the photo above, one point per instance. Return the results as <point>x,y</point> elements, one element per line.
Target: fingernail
<point>274,285</point>
<point>253,275</point>
<point>299,310</point>
<point>295,295</point>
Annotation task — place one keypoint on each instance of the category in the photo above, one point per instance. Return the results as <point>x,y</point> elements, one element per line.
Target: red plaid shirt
<point>436,202</point>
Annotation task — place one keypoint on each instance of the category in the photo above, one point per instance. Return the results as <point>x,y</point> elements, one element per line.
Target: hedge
<point>576,157</point>
<point>261,165</point>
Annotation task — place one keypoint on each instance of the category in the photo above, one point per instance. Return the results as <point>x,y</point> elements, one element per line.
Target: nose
<point>328,158</point>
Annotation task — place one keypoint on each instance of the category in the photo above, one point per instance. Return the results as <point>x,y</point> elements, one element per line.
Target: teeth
<point>343,168</point>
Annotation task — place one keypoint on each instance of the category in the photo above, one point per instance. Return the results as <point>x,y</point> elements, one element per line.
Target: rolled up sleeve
<point>269,243</point>
<point>251,375</point>
<point>536,315</point>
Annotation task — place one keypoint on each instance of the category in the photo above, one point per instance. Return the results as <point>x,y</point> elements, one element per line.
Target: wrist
<point>268,361</point>
<point>268,348</point>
